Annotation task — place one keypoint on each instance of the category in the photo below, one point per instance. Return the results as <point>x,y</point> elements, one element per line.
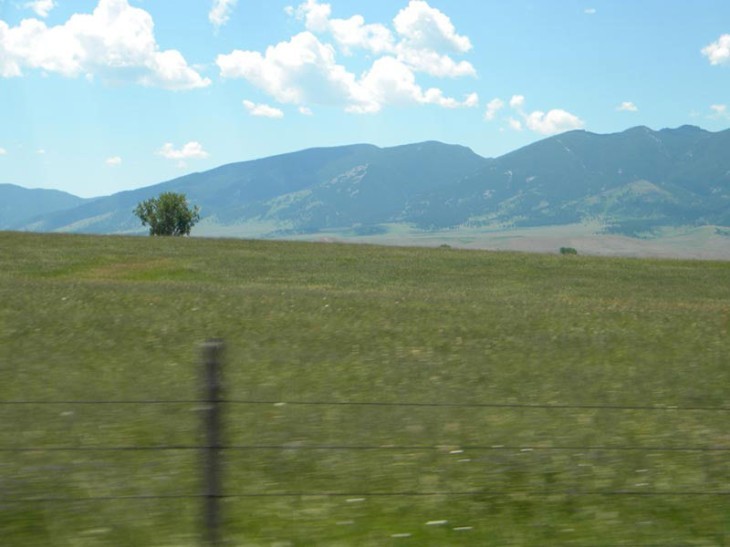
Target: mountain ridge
<point>635,182</point>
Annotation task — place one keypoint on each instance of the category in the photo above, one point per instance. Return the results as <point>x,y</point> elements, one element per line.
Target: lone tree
<point>168,214</point>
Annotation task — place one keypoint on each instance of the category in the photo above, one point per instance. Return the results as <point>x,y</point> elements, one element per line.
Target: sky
<point>100,96</point>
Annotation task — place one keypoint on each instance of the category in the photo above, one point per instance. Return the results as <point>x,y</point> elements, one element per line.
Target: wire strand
<point>392,448</point>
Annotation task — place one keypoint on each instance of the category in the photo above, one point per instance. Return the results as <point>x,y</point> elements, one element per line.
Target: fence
<point>213,491</point>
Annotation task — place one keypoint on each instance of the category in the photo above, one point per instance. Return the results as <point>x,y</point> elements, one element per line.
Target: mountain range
<point>636,183</point>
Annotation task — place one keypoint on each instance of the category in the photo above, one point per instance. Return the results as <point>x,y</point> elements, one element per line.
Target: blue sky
<point>98,96</point>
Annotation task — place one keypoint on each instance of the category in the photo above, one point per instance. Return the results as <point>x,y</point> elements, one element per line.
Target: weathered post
<point>212,484</point>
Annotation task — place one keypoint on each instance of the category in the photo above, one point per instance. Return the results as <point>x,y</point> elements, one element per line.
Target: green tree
<point>168,214</point>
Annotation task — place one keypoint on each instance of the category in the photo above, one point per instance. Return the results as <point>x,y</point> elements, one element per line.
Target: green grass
<point>113,318</point>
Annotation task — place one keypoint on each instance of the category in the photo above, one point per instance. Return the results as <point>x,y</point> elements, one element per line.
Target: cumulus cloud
<point>435,64</point>
<point>426,33</point>
<point>390,81</point>
<point>41,7</point>
<point>191,150</point>
<point>305,70</point>
<point>262,110</point>
<point>471,101</point>
<point>627,106</point>
<point>590,11</point>
<point>544,123</point>
<point>517,101</point>
<point>220,12</point>
<point>552,122</point>
<point>115,42</point>
<point>423,33</point>
<point>493,106</point>
<point>424,27</point>
<point>300,71</point>
<point>3,152</point>
<point>114,161</point>
<point>348,33</point>
<point>718,52</point>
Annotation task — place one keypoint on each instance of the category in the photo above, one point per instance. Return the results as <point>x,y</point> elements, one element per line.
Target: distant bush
<point>168,215</point>
<point>568,251</point>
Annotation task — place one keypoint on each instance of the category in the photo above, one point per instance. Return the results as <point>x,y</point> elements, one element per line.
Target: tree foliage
<point>168,214</point>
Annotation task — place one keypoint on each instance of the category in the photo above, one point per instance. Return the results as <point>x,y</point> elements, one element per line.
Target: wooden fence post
<point>212,483</point>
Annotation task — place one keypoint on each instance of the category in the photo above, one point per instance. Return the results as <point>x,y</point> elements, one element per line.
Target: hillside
<point>18,204</point>
<point>632,182</point>
<point>637,183</point>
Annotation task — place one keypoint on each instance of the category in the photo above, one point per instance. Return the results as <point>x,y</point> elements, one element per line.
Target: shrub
<point>168,215</point>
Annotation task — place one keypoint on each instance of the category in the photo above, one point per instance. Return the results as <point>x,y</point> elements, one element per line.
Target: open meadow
<point>376,395</point>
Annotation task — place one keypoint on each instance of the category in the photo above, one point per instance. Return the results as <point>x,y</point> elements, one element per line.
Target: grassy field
<point>114,318</point>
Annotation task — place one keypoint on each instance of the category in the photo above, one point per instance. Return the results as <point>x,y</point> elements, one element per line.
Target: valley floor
<point>703,243</point>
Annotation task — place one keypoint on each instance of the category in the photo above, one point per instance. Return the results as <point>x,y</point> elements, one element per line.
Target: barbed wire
<point>392,448</point>
<point>452,448</point>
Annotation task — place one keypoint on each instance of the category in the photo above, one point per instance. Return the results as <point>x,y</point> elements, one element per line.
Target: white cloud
<point>353,32</point>
<point>434,63</point>
<point>423,31</point>
<point>41,7</point>
<point>304,111</point>
<point>720,111</point>
<point>116,43</point>
<point>41,152</point>
<point>627,106</point>
<point>305,70</point>
<point>555,121</point>
<point>191,150</point>
<point>390,81</point>
<point>590,11</point>
<point>348,33</point>
<point>220,12</point>
<point>515,124</point>
<point>517,101</point>
<point>315,15</point>
<point>426,33</point>
<point>471,101</point>
<point>424,27</point>
<point>114,161</point>
<point>493,106</point>
<point>300,71</point>
<point>3,152</point>
<point>550,123</point>
<point>718,52</point>
<point>262,110</point>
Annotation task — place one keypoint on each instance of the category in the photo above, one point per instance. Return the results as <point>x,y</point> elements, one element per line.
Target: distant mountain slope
<point>631,182</point>
<point>297,192</point>
<point>18,204</point>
